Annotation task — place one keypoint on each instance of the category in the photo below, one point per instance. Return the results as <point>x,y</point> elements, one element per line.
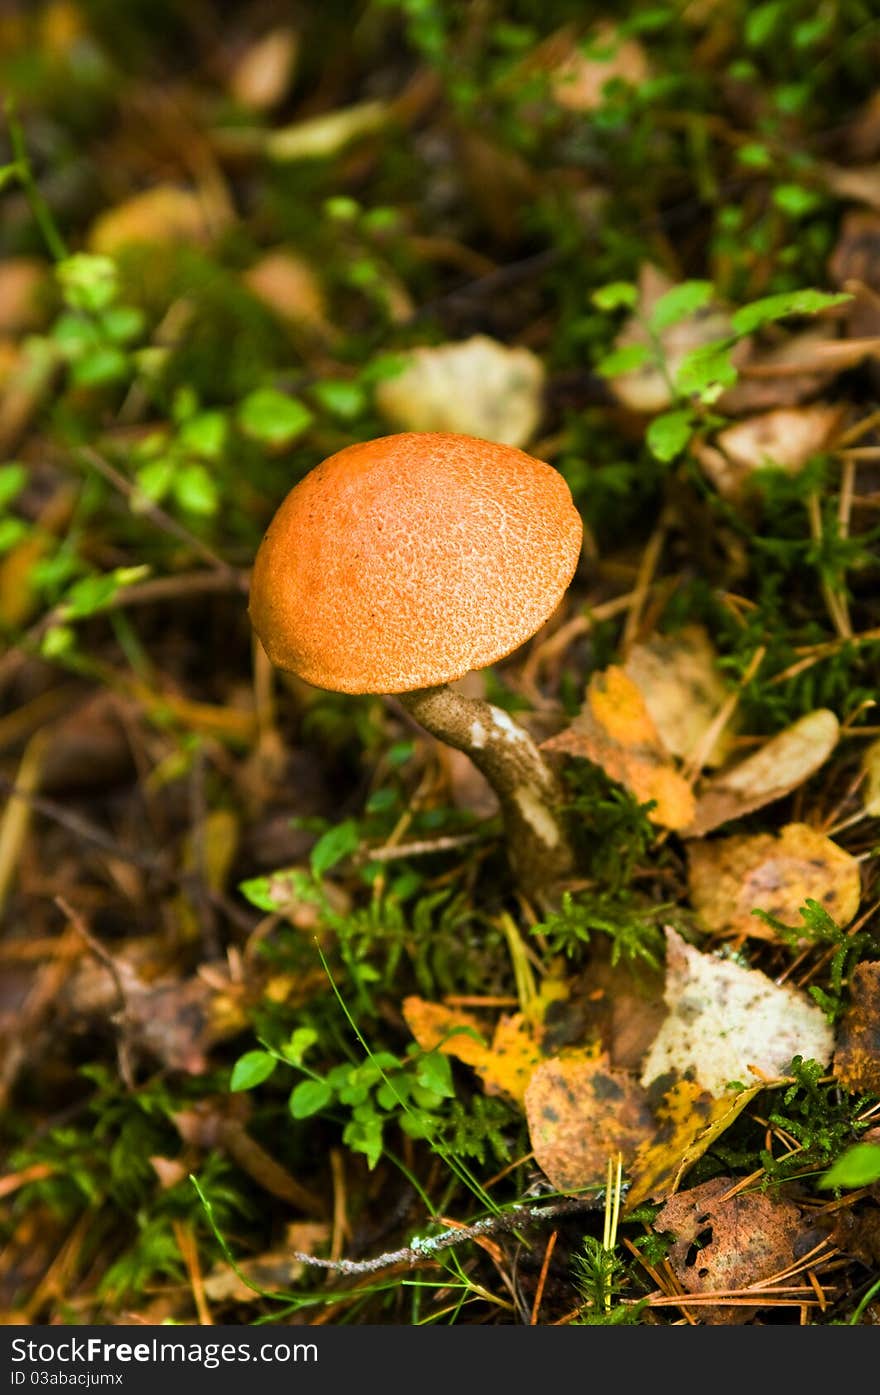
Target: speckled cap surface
<point>407,561</point>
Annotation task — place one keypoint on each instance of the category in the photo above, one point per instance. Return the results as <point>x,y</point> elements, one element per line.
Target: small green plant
<point>818,928</point>
<point>384,1088</point>
<point>599,1272</point>
<point>703,374</point>
<point>821,1119</point>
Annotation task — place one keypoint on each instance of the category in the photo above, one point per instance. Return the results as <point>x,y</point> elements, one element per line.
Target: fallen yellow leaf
<point>614,730</point>
<point>689,1120</point>
<point>732,877</point>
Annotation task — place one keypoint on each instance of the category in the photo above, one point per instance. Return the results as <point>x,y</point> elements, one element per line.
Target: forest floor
<point>283,1039</point>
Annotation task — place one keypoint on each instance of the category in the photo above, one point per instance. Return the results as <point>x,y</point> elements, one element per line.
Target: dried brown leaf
<point>580,1113</point>
<point>321,137</point>
<point>722,1243</point>
<point>289,287</point>
<point>262,76</point>
<point>857,1057</point>
<point>577,82</point>
<point>871,787</point>
<point>785,438</point>
<point>688,1121</point>
<point>23,284</point>
<point>682,688</point>
<point>781,765</point>
<point>164,213</point>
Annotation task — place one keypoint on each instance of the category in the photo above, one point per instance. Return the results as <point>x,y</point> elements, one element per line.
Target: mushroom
<point>399,565</point>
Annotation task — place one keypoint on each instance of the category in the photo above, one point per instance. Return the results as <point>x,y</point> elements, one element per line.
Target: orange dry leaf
<point>289,287</point>
<point>164,213</point>
<point>689,1120</point>
<point>732,877</point>
<point>504,1067</point>
<point>857,1058</point>
<point>739,1240</point>
<point>778,767</point>
<point>580,1113</point>
<point>615,731</point>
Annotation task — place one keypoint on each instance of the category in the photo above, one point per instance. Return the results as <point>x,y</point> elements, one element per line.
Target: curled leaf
<point>688,1121</point>
<point>778,767</point>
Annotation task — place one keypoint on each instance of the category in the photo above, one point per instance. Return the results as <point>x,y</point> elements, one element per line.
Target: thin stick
<point>422,1250</point>
<point>542,1279</point>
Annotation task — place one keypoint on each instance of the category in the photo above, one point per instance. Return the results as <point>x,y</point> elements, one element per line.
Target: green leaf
<point>57,642</point>
<point>300,1043</point>
<point>272,418</point>
<point>122,323</point>
<point>859,1166</point>
<point>434,1072</point>
<point>706,371</point>
<point>75,335</point>
<point>274,892</point>
<point>154,481</point>
<point>12,530</point>
<point>333,846</point>
<point>777,307</point>
<point>195,490</point>
<point>615,296</point>
<point>92,593</point>
<point>625,360</point>
<point>754,155</point>
<point>88,282</point>
<point>761,22</point>
<point>13,478</point>
<point>668,434</point>
<point>346,400</point>
<point>365,1136</point>
<point>795,200</point>
<point>100,366</point>
<point>679,302</point>
<point>252,1069</point>
<point>204,434</point>
<point>310,1097</point>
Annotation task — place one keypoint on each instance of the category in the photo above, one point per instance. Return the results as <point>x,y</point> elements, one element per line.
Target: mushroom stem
<point>528,790</point>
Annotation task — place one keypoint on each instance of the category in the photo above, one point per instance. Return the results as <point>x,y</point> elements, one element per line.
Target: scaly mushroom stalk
<point>528,790</point>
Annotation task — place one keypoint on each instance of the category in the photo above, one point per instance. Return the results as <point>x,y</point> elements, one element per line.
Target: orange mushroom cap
<point>407,561</point>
